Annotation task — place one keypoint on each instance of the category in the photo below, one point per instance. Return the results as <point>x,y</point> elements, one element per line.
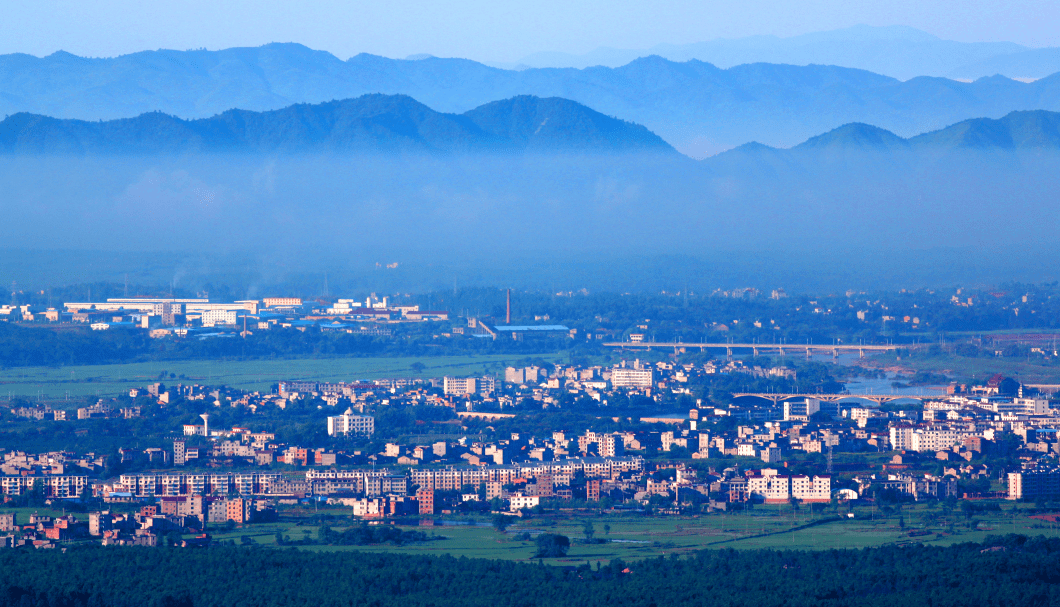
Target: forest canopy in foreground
<point>1011,570</point>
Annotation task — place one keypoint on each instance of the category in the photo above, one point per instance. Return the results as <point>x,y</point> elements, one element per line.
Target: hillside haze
<point>695,106</point>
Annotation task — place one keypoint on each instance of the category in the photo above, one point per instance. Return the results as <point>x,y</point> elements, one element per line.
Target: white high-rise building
<point>801,409</point>
<point>901,438</point>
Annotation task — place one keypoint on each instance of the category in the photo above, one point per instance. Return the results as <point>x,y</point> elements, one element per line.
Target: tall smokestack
<point>508,314</point>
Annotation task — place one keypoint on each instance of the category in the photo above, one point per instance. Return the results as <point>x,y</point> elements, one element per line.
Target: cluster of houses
<point>145,527</point>
<point>167,316</point>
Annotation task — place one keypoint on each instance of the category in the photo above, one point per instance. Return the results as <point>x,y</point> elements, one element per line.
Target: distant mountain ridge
<point>695,106</point>
<point>374,123</point>
<point>896,51</point>
<point>1036,129</point>
<point>388,123</point>
<point>857,147</point>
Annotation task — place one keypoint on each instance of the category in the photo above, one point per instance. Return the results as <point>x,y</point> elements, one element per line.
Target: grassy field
<point>1033,371</point>
<point>89,380</point>
<point>633,537</point>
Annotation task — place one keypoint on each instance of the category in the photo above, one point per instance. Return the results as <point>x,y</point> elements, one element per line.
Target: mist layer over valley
<point>524,191</point>
<point>624,221</point>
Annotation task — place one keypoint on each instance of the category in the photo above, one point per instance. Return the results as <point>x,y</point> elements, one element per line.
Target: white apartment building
<point>769,486</point>
<point>811,489</point>
<point>520,376</point>
<point>282,302</point>
<point>862,416</point>
<point>902,438</point>
<point>370,507</point>
<point>624,377</point>
<point>611,445</point>
<point>211,318</point>
<point>936,439</point>
<point>775,489</point>
<point>746,450</point>
<point>462,386</point>
<point>522,502</point>
<point>349,423</point>
<point>53,486</point>
<point>801,409</point>
<point>1021,406</point>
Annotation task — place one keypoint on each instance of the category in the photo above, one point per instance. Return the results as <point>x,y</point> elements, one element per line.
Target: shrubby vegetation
<point>551,545</point>
<point>22,346</point>
<point>1011,570</point>
<point>364,535</point>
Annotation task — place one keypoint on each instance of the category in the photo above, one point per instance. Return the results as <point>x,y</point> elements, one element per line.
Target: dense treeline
<point>41,346</point>
<point>1012,570</point>
<point>365,535</point>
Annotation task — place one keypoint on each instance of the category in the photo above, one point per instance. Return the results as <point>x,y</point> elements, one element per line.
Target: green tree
<point>501,522</point>
<point>551,545</point>
<point>589,531</point>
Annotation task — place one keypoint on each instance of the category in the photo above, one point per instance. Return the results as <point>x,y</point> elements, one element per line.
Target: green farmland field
<point>633,537</point>
<point>89,380</point>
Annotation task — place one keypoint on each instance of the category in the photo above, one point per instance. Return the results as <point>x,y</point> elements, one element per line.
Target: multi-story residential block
<point>350,423</point>
<point>238,510</point>
<point>768,486</point>
<point>425,497</point>
<point>464,386</point>
<point>811,489</point>
<point>771,487</point>
<point>1033,484</point>
<point>53,486</point>
<point>212,318</point>
<point>523,502</point>
<point>625,377</point>
<point>282,302</point>
<point>938,439</point>
<point>801,409</point>
<point>902,438</point>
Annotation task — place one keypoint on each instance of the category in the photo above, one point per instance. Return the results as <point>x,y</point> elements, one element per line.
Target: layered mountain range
<point>896,51</point>
<point>1036,129</point>
<point>398,123</point>
<point>697,107</point>
<point>372,123</point>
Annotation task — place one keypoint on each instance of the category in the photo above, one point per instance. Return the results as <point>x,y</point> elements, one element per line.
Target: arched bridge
<point>835,349</point>
<point>877,398</point>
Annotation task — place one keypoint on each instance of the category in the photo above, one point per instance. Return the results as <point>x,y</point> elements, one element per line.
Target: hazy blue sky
<point>489,30</point>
